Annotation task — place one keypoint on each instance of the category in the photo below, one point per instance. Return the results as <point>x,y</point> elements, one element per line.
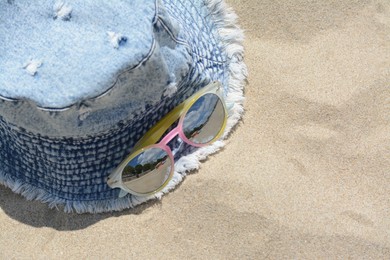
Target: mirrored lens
<point>148,171</point>
<point>204,120</point>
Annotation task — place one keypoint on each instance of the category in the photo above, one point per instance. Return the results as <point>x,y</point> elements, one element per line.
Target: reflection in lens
<point>148,171</point>
<point>204,119</point>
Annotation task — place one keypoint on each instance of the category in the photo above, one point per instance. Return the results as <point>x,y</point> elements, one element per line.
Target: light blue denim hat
<point>81,81</point>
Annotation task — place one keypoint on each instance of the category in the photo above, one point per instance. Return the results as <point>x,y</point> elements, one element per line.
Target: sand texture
<point>306,174</point>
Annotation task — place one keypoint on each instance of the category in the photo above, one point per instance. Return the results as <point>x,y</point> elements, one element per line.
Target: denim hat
<point>81,81</point>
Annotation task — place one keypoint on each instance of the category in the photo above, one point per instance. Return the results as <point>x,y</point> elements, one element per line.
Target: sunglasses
<point>150,167</point>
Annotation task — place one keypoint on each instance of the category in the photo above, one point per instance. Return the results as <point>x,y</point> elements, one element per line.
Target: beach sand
<point>306,174</point>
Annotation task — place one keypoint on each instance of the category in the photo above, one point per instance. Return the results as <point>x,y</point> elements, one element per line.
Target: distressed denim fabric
<point>67,124</point>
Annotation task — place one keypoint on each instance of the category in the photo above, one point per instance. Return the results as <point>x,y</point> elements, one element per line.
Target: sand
<point>306,174</point>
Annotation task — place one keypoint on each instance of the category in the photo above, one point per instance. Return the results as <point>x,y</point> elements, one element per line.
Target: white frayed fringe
<point>170,90</point>
<point>116,39</point>
<point>231,36</point>
<point>32,66</point>
<point>62,11</point>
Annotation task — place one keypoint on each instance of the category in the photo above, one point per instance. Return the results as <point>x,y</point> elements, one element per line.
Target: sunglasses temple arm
<point>122,193</point>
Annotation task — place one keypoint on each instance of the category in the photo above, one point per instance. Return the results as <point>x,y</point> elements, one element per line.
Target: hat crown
<point>58,53</point>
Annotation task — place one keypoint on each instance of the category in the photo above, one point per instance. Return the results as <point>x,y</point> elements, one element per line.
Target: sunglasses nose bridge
<point>172,134</point>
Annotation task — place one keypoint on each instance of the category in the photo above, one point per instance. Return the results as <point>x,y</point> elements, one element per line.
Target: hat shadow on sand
<point>38,214</point>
